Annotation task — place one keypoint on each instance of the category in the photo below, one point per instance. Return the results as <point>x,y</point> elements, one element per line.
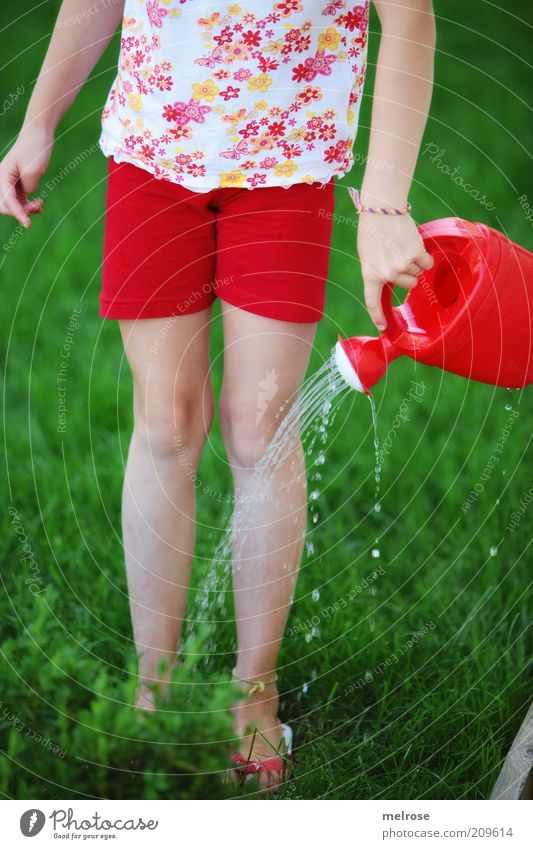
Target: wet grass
<point>404,676</point>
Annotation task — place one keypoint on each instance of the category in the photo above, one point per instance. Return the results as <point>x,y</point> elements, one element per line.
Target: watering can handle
<point>386,303</point>
<point>449,228</point>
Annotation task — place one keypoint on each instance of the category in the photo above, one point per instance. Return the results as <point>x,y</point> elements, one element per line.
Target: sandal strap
<point>256,685</point>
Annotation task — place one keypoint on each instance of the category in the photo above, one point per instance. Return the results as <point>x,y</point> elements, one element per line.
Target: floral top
<point>247,94</point>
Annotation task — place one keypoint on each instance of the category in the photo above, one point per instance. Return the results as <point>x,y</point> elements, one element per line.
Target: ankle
<point>256,708</point>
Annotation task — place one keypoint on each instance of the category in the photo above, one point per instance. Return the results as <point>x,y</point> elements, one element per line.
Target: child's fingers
<point>33,207</point>
<point>424,260</point>
<point>373,292</point>
<point>10,205</point>
<point>406,281</point>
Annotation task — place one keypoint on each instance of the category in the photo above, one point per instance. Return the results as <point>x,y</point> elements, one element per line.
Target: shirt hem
<point>206,184</point>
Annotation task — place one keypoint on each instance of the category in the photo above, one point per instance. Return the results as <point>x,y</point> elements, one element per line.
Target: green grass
<point>431,720</point>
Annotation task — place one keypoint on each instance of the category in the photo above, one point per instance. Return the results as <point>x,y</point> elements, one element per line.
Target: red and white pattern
<point>256,93</point>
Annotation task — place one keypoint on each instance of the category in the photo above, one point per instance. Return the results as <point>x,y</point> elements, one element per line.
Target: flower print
<point>267,63</point>
<point>262,143</point>
<point>225,36</point>
<point>237,52</point>
<point>260,83</point>
<point>291,150</point>
<point>163,83</point>
<point>257,180</point>
<point>252,39</point>
<point>251,129</point>
<point>155,13</point>
<point>309,94</point>
<point>182,113</point>
<point>287,7</point>
<point>205,91</point>
<point>230,93</point>
<point>135,102</point>
<point>196,170</point>
<point>181,132</point>
<point>285,169</point>
<point>357,18</point>
<point>277,129</point>
<point>327,132</point>
<point>268,163</point>
<point>242,75</point>
<point>329,39</point>
<point>147,151</point>
<point>302,44</point>
<point>232,178</point>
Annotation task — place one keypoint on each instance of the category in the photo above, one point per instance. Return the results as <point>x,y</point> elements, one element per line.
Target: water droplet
<point>308,637</point>
<point>372,624</point>
<point>508,407</point>
<point>368,676</point>
<point>377,507</point>
<point>376,552</point>
<point>314,674</point>
<point>373,590</point>
<point>315,595</point>
<point>497,501</point>
<point>314,495</point>
<point>320,460</point>
<point>504,471</point>
<point>310,547</point>
<point>315,631</point>
<point>493,550</point>
<point>305,688</point>
<point>315,518</point>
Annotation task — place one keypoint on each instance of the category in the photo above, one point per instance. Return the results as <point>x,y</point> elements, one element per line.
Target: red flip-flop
<point>279,765</point>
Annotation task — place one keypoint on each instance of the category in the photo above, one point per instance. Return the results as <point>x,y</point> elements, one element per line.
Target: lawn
<point>404,675</point>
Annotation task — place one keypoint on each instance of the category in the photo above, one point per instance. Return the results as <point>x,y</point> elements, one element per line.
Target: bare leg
<point>264,365</point>
<point>173,407</point>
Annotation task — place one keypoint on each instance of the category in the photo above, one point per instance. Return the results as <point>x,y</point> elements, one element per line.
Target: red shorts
<point>169,251</point>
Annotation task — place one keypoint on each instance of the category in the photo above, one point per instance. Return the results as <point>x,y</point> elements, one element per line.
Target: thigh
<point>273,248</point>
<point>265,361</point>
<point>159,247</point>
<point>169,361</point>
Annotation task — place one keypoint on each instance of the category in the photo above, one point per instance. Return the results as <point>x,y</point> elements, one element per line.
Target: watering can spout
<point>363,360</point>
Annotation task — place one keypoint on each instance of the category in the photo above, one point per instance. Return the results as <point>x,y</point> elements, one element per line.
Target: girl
<point>225,127</point>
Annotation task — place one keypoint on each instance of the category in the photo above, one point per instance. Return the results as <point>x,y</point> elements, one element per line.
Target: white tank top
<point>245,94</point>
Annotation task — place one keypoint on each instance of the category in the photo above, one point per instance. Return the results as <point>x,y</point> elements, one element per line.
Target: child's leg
<point>265,361</point>
<point>169,360</point>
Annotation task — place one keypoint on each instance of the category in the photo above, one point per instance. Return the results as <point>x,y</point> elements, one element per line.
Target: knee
<point>246,439</point>
<point>177,427</point>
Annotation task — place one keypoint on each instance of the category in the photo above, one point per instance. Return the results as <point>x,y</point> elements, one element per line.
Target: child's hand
<point>391,250</point>
<point>20,172</point>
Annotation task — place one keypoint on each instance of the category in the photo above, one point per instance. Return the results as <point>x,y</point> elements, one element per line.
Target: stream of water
<point>308,417</point>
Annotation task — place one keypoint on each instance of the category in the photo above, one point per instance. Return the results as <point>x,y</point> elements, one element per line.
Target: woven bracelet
<point>377,210</point>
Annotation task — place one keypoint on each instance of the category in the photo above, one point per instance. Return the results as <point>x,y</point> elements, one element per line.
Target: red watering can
<point>471,314</point>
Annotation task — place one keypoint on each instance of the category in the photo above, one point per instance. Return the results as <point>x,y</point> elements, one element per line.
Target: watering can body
<point>471,314</point>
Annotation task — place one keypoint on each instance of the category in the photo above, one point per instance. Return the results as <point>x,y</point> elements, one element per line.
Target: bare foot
<point>260,732</point>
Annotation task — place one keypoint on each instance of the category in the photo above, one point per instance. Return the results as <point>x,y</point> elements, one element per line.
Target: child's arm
<point>390,248</point>
<point>80,36</point>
